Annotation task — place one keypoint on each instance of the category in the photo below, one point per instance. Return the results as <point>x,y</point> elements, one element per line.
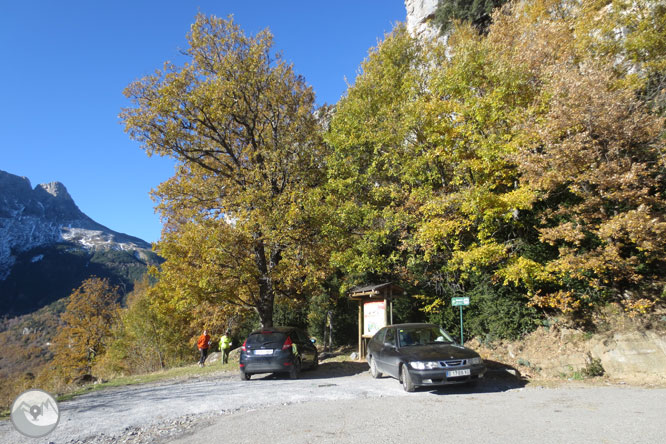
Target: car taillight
<point>287,344</point>
<point>243,347</point>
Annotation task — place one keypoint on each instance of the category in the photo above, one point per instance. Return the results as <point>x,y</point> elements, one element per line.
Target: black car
<point>277,350</point>
<point>422,355</point>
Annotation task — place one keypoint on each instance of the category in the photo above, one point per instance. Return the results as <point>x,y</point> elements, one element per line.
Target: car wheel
<point>245,376</point>
<point>373,369</point>
<point>295,369</point>
<point>406,379</point>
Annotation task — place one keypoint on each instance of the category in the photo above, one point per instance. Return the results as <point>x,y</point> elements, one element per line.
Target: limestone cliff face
<point>419,17</point>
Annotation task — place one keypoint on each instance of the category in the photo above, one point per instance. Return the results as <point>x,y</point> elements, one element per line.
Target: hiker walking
<point>225,346</point>
<point>203,343</point>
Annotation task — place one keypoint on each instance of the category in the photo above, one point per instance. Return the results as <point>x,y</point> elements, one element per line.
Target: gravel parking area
<point>340,402</point>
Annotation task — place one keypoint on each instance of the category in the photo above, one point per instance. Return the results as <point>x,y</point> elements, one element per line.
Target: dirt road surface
<point>341,403</point>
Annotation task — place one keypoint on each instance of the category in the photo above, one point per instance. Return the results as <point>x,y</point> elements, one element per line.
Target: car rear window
<point>266,338</point>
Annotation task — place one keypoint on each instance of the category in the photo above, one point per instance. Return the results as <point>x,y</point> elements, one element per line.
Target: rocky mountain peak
<point>55,189</point>
<point>11,185</point>
<point>57,203</point>
<point>47,215</point>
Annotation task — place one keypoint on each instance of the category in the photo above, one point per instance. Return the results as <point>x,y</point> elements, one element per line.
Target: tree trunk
<point>266,294</point>
<point>265,308</point>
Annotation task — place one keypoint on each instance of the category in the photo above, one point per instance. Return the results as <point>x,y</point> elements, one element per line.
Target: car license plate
<point>454,373</point>
<point>263,352</point>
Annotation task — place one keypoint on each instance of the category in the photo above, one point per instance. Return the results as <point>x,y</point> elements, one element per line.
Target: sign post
<point>460,302</point>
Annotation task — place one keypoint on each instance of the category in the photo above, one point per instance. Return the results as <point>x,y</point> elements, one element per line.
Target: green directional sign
<point>460,302</point>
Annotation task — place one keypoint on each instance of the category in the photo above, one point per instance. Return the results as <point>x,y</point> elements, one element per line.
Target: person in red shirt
<point>203,343</point>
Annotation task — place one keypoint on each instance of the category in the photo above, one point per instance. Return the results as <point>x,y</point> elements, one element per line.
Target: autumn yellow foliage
<point>529,159</point>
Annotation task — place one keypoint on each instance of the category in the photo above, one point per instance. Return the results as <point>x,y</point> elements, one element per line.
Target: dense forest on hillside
<point>520,164</point>
<point>63,266</point>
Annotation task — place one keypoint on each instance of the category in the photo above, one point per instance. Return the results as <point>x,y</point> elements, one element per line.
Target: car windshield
<point>410,336</point>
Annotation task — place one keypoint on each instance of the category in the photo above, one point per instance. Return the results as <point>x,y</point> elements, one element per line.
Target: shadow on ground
<point>498,378</point>
<point>325,370</point>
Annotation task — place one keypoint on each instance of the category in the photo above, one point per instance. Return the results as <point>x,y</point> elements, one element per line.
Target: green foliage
<point>475,12</point>
<point>158,331</point>
<point>292,313</point>
<point>319,306</point>
<point>500,312</point>
<point>368,130</point>
<point>64,267</point>
<point>407,308</point>
<point>495,312</point>
<point>343,312</point>
<point>428,191</point>
<point>517,167</point>
<point>593,368</point>
<point>141,341</point>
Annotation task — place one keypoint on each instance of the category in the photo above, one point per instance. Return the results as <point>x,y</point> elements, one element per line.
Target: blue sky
<point>66,63</point>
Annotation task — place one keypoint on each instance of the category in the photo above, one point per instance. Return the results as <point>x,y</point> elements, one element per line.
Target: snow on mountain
<point>47,215</point>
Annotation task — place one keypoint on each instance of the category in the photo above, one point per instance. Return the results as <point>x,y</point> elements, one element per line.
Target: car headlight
<point>474,361</point>
<point>423,365</point>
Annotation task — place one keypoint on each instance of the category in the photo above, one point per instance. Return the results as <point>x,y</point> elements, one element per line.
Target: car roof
<point>413,324</point>
<point>274,330</point>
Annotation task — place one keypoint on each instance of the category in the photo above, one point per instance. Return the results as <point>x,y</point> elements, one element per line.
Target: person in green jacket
<point>225,346</point>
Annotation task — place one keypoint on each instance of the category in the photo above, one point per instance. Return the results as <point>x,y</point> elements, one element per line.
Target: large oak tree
<point>242,127</point>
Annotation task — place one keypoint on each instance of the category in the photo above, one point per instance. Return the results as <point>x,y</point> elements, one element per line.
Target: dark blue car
<point>422,355</point>
<point>277,350</point>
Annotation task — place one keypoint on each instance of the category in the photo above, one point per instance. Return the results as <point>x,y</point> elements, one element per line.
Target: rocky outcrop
<point>419,18</point>
<point>637,356</point>
<point>46,215</point>
<point>630,354</point>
